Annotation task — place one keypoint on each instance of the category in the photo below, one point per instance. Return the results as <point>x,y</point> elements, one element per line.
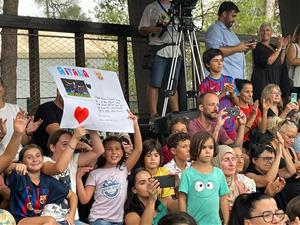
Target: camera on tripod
<point>184,8</point>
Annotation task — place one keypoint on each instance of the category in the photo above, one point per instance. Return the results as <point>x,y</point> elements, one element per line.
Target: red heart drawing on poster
<point>81,114</point>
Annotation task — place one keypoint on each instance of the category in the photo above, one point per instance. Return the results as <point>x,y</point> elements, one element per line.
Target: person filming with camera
<point>157,23</point>
<point>211,120</point>
<point>222,85</point>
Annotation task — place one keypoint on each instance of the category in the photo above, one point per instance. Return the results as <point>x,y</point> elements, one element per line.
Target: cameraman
<point>157,23</point>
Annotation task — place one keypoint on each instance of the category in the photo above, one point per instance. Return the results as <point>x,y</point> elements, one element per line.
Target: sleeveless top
<point>294,71</point>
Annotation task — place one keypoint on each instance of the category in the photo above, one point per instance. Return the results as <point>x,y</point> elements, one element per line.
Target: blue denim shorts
<point>103,222</point>
<point>160,68</point>
<point>77,222</point>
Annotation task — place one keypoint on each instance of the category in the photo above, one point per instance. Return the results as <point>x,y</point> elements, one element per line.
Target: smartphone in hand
<point>233,111</point>
<point>294,97</point>
<point>166,181</point>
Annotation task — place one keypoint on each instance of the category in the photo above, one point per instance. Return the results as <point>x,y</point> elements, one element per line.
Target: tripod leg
<point>199,56</point>
<point>193,55</point>
<point>172,74</point>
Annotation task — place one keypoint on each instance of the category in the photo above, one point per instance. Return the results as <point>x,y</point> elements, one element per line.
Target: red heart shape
<point>81,114</point>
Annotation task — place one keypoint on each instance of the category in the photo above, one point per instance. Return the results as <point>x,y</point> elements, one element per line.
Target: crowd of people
<point>237,163</point>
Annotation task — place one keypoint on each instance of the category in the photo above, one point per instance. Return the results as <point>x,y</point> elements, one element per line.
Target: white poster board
<point>93,98</point>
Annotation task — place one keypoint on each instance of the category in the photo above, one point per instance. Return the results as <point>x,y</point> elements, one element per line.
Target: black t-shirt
<point>280,197</point>
<point>50,113</point>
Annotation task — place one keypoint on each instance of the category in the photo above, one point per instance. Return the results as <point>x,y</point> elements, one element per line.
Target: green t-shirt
<point>203,193</point>
<point>161,211</point>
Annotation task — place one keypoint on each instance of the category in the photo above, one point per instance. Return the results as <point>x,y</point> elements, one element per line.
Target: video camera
<point>184,7</point>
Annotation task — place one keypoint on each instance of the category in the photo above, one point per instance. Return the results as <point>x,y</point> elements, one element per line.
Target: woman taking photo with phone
<point>142,206</point>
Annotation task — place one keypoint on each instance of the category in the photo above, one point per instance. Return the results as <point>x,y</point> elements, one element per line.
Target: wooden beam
<point>66,26</point>
<point>34,71</point>
<point>123,66</point>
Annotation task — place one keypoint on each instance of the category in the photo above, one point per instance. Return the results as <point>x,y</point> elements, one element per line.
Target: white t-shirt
<point>248,182</point>
<point>9,112</point>
<point>110,193</point>
<point>68,177</point>
<point>174,169</point>
<point>151,15</point>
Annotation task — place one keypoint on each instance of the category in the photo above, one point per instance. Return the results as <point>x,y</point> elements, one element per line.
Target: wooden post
<point>123,66</point>
<point>79,50</point>
<point>34,71</point>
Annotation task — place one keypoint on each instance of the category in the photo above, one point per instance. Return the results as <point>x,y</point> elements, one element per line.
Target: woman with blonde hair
<point>268,61</point>
<point>272,95</point>
<point>293,58</point>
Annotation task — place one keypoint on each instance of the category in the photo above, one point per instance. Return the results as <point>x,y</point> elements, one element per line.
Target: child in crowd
<point>177,125</point>
<point>30,193</point>
<point>179,145</point>
<point>203,183</point>
<point>19,126</point>
<point>108,183</point>
<point>222,85</point>
<point>151,160</point>
<point>63,163</point>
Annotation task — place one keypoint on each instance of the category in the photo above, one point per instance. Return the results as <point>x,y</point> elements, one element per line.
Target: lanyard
<point>166,11</point>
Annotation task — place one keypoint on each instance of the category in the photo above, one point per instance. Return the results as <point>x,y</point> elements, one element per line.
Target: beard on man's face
<point>211,115</point>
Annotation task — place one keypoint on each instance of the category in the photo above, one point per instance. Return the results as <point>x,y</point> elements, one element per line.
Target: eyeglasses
<point>268,216</point>
<point>289,137</point>
<point>275,93</point>
<point>288,121</point>
<point>267,159</point>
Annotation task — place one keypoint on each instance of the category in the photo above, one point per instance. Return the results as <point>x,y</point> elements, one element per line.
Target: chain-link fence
<point>56,48</point>
<point>101,52</point>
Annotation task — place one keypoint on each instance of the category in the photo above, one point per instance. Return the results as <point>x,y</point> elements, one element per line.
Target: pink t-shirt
<point>195,126</point>
<point>110,193</point>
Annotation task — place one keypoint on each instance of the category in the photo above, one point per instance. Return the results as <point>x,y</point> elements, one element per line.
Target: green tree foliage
<point>251,15</point>
<point>116,11</point>
<point>112,11</point>
<point>62,9</point>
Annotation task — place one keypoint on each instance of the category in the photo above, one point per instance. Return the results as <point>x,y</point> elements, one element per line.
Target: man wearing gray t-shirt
<point>155,23</point>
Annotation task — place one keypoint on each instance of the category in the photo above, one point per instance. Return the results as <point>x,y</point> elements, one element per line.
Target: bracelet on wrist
<point>71,147</point>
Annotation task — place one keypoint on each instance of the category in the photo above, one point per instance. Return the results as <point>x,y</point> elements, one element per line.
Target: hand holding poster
<point>93,98</point>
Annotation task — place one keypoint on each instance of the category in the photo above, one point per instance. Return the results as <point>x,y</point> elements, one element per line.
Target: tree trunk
<point>270,9</point>
<point>9,53</point>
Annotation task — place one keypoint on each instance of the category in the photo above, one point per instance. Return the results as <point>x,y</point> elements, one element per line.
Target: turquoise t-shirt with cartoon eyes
<point>203,192</point>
